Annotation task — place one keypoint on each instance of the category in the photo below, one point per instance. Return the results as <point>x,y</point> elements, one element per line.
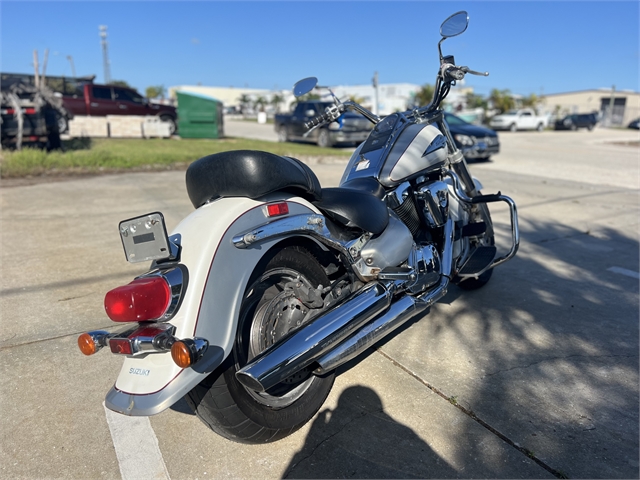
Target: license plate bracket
<point>145,238</point>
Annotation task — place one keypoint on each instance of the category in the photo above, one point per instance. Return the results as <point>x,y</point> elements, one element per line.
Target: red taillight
<point>9,111</point>
<point>276,209</point>
<point>29,111</point>
<point>143,299</point>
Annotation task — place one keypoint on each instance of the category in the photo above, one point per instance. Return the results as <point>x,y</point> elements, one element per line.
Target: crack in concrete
<point>529,454</point>
<point>519,367</point>
<point>4,345</point>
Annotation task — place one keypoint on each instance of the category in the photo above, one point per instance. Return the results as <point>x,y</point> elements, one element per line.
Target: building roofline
<point>594,90</point>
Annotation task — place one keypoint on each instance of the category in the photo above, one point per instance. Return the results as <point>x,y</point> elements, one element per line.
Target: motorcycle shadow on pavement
<point>547,352</point>
<point>337,440</point>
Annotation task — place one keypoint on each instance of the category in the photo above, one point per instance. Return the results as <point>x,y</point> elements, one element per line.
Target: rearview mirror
<point>455,24</point>
<point>304,86</point>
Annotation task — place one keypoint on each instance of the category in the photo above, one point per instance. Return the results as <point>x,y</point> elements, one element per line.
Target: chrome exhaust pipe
<point>399,312</point>
<point>303,347</point>
<point>322,336</point>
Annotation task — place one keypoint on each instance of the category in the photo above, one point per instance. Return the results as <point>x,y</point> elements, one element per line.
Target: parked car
<point>37,110</point>
<point>349,128</point>
<point>522,119</point>
<point>475,142</point>
<point>635,124</point>
<point>101,100</point>
<point>576,121</point>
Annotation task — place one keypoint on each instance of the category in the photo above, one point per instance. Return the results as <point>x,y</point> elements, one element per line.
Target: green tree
<point>276,101</point>
<point>120,83</point>
<point>531,101</point>
<point>356,99</point>
<point>476,101</point>
<point>424,95</point>
<point>259,103</point>
<point>155,91</point>
<point>308,96</point>
<point>245,102</point>
<point>502,100</point>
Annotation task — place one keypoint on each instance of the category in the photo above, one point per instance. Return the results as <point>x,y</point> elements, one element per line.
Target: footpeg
<point>473,229</point>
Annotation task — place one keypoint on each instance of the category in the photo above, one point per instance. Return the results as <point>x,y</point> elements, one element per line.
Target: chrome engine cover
<point>389,249</point>
<point>435,196</point>
<point>425,261</point>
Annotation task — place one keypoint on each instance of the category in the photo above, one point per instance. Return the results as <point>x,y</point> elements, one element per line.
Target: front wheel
<point>540,127</point>
<point>475,283</point>
<point>513,127</point>
<point>269,310</point>
<point>283,136</point>
<point>324,139</point>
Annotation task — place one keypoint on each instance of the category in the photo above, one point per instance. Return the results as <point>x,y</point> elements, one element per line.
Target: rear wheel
<point>268,312</point>
<point>540,127</point>
<point>171,121</point>
<point>513,127</point>
<point>63,123</point>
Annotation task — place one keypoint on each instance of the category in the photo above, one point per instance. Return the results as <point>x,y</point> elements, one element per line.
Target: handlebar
<point>451,72</point>
<point>333,112</point>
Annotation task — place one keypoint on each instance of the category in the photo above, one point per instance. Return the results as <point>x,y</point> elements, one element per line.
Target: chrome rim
<point>281,313</point>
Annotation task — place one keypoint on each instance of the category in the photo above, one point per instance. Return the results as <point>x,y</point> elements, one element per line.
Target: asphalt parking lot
<point>534,376</point>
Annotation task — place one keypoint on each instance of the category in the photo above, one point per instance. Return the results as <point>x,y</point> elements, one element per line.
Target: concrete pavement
<point>533,376</point>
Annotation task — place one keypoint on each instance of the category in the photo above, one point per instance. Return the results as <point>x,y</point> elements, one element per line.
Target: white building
<point>391,97</point>
<point>624,105</point>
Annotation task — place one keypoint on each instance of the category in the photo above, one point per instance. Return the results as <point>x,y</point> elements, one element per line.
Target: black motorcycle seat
<point>354,209</point>
<point>249,173</point>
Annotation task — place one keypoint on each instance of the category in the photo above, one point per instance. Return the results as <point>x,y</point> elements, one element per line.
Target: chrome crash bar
<point>515,232</point>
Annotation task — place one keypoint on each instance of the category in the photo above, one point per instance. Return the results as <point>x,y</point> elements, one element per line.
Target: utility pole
<point>43,79</point>
<point>73,69</point>
<point>375,88</point>
<point>36,67</point>
<point>105,54</point>
<point>611,103</point>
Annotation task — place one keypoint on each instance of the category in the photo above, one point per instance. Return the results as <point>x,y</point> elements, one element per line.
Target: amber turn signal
<point>86,344</point>
<point>181,354</point>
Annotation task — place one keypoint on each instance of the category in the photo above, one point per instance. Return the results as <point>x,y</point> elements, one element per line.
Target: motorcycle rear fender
<point>218,276</point>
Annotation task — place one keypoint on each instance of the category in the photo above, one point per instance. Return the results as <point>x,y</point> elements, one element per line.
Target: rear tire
<point>173,127</point>
<point>513,127</point>
<point>243,415</point>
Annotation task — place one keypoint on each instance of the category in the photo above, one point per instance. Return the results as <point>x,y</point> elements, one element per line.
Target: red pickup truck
<point>101,100</point>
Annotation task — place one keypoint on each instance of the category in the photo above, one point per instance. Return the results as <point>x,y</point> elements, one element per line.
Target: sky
<point>526,46</point>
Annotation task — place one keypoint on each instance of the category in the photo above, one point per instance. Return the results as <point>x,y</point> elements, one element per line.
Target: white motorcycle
<point>273,282</point>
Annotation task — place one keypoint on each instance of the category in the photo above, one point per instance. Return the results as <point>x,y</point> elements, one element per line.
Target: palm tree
<point>502,100</point>
<point>259,103</point>
<point>245,101</point>
<point>276,101</point>
<point>424,95</point>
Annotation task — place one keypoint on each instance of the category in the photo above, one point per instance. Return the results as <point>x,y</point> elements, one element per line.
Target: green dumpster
<point>199,116</point>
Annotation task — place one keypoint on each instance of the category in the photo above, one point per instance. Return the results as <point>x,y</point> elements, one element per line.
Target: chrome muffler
<point>312,341</point>
<point>344,331</point>
<point>399,312</point>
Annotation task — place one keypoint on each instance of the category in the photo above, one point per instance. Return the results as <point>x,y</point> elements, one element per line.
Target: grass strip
<point>112,155</point>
